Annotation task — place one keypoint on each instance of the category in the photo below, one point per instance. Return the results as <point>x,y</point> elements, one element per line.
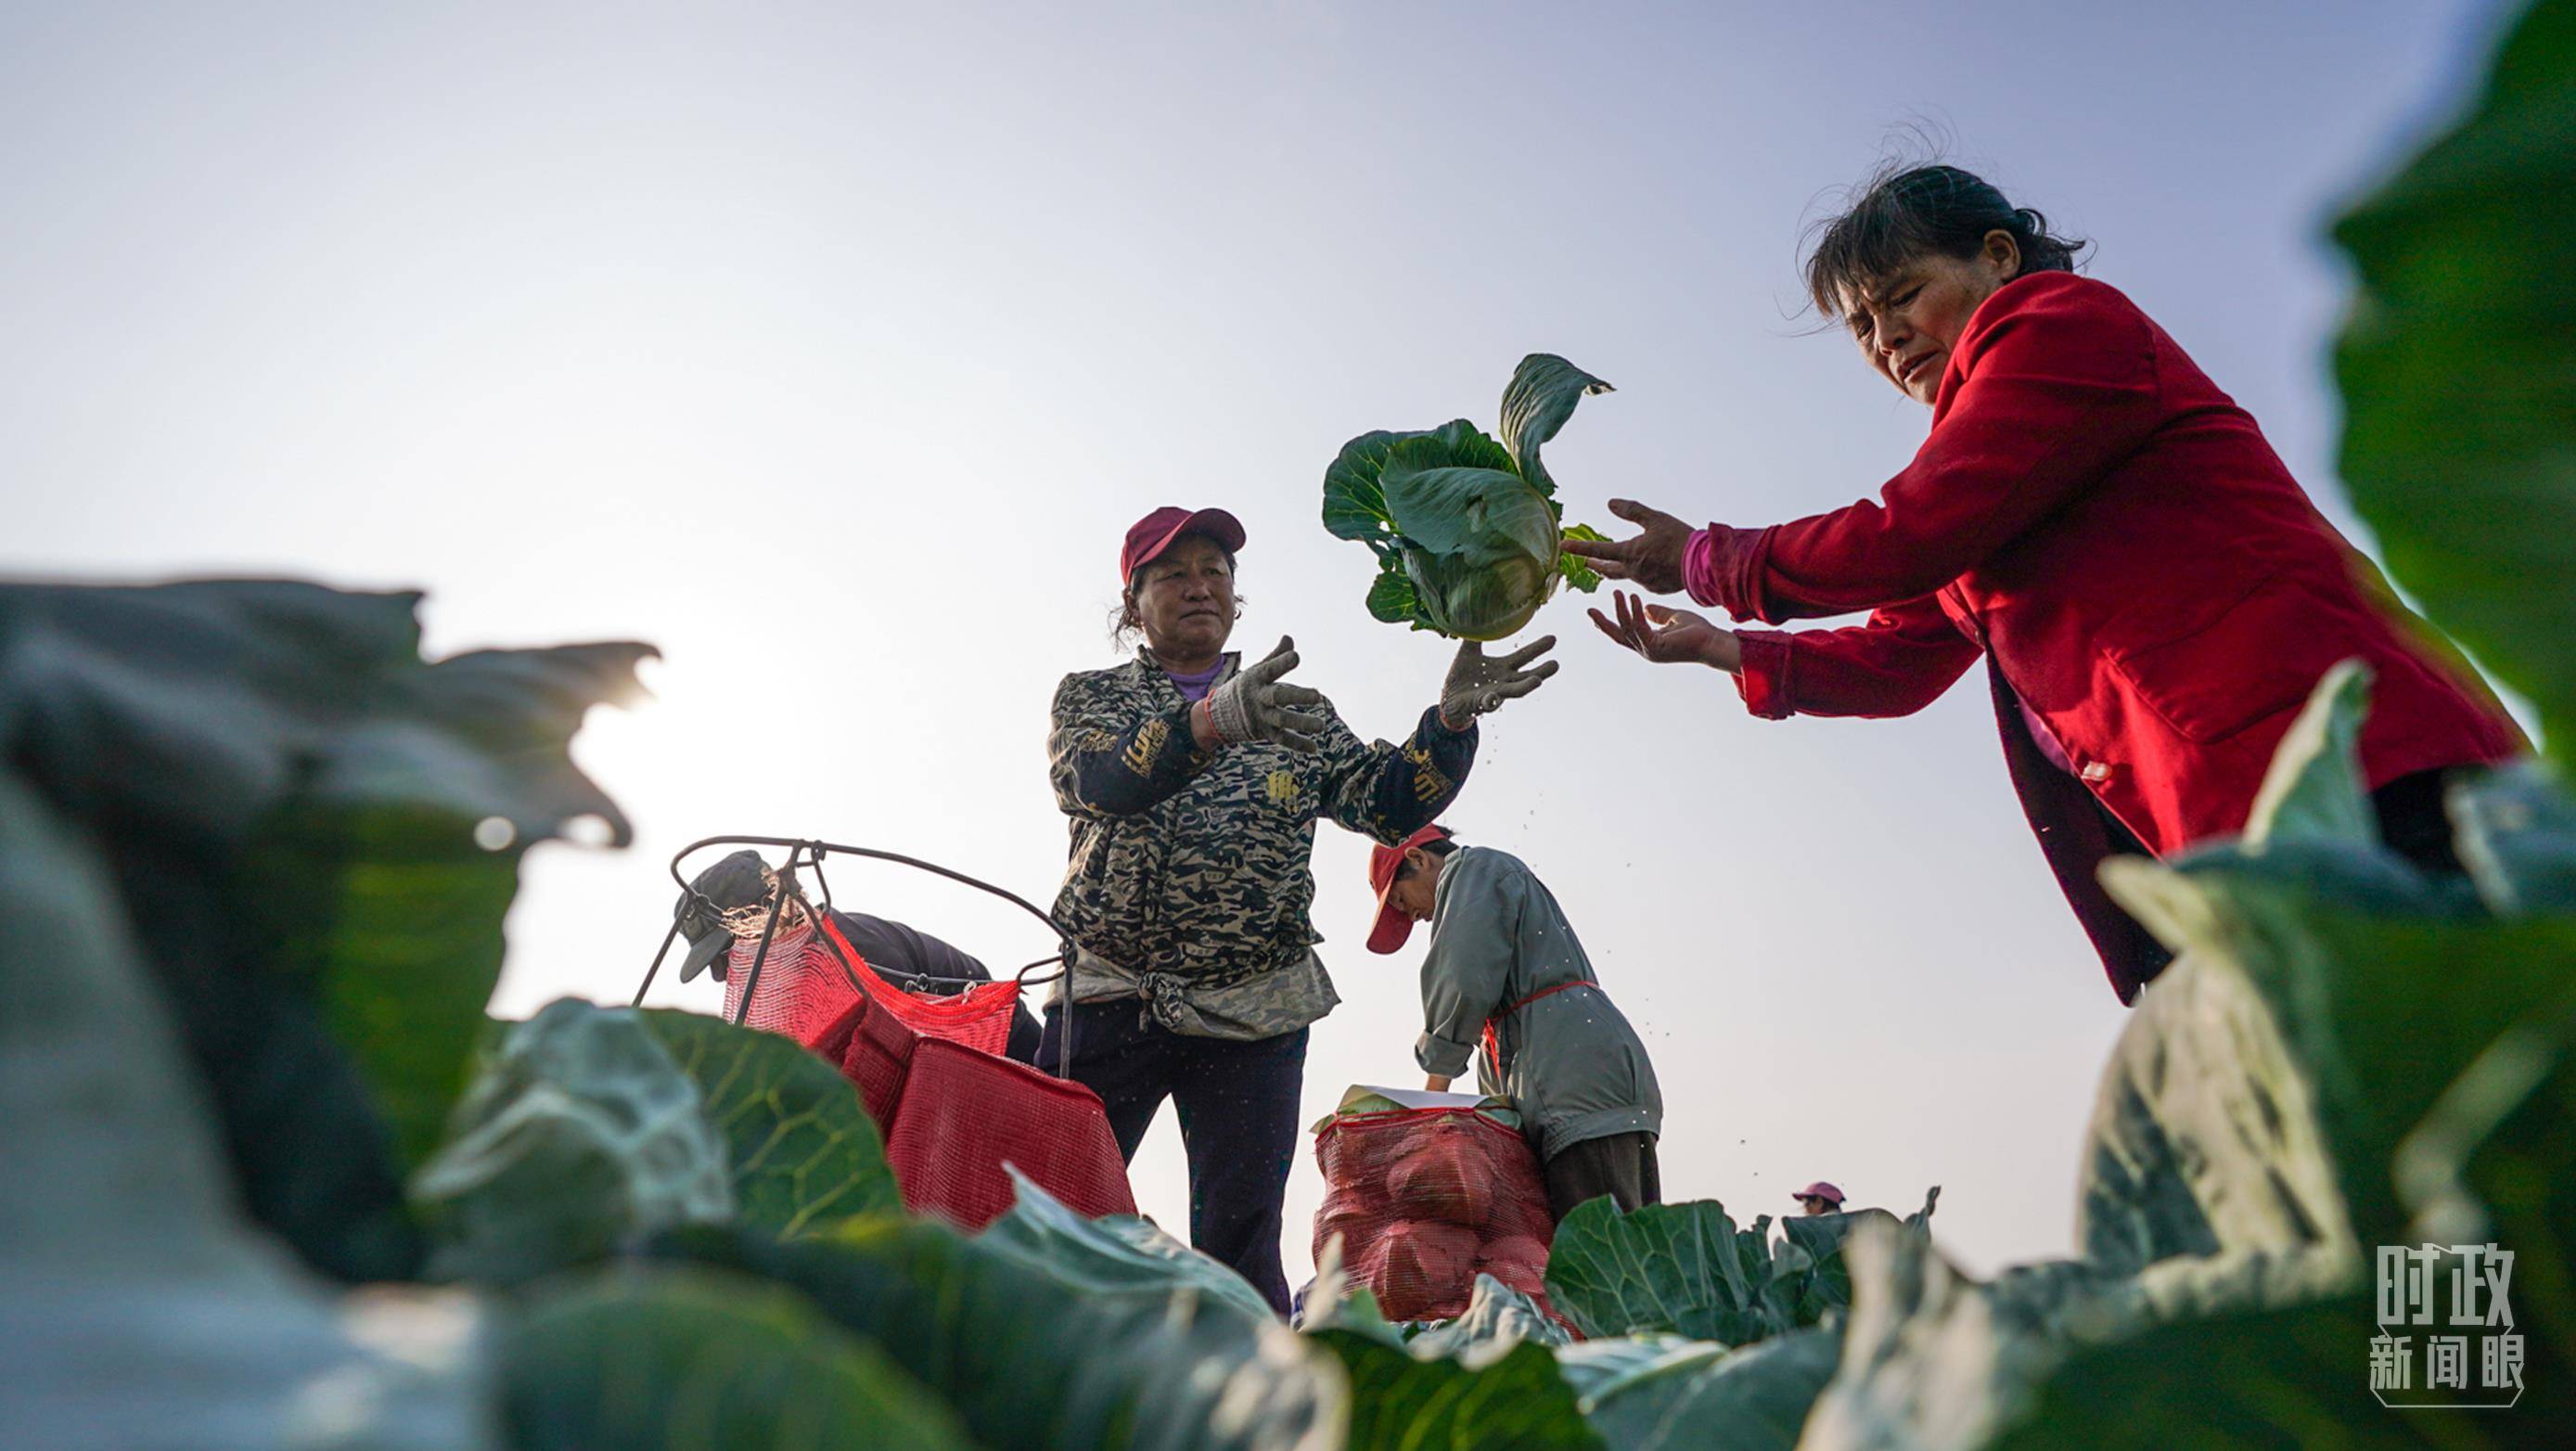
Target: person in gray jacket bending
<point>1505,971</point>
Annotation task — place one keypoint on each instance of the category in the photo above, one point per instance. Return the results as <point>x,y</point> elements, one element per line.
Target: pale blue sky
<point>833,347</point>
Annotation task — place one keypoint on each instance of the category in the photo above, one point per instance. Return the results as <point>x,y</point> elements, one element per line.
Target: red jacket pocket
<point>2258,657</point>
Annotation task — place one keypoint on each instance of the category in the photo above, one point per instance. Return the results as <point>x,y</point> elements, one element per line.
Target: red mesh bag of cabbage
<point>956,1120</point>
<point>1427,1199</point>
<point>805,987</point>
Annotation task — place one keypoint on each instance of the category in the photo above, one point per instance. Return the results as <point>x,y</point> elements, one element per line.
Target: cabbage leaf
<point>1044,1352</point>
<point>1466,529</point>
<point>1665,1393</point>
<point>581,1132</point>
<point>803,1152</point>
<point>1687,1269</point>
<point>140,1306</point>
<point>2453,368</point>
<point>660,1358</point>
<point>327,828</point>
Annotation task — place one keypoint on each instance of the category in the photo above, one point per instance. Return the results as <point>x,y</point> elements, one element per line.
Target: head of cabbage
<point>1466,529</point>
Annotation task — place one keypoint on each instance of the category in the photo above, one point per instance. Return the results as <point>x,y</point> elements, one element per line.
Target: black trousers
<point>2414,824</point>
<point>1238,1105</point>
<point>1619,1165</point>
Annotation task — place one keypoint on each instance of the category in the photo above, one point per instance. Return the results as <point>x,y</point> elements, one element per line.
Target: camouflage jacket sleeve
<point>1390,792</point>
<point>1104,763</point>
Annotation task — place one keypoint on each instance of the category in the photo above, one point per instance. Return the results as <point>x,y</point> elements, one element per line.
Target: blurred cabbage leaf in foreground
<point>2459,439</point>
<point>288,797</point>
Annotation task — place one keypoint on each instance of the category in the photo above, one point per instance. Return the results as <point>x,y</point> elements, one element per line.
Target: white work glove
<point>1254,706</point>
<point>1478,684</point>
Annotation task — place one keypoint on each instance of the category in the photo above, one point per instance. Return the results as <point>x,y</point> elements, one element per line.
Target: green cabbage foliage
<point>2453,366</point>
<point>803,1152</point>
<point>2242,1378</point>
<point>1114,1254</point>
<point>1513,1397</point>
<point>2202,1098</point>
<point>139,1305</point>
<point>672,1359</point>
<point>582,1132</point>
<point>1486,1378</point>
<point>1688,1270</point>
<point>2345,1053</point>
<point>320,831</point>
<point>1666,1393</point>
<point>1046,1336</point>
<point>1494,1311</point>
<point>1466,529</point>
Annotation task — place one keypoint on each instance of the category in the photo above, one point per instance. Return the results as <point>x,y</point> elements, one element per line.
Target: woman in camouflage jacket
<point>1193,782</point>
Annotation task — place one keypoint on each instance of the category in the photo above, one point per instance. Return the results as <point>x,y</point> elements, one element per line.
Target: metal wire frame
<point>805,853</point>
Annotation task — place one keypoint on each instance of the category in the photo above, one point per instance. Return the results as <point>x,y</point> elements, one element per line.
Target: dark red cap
<point>1384,861</point>
<point>1155,532</point>
<point>1820,1190</point>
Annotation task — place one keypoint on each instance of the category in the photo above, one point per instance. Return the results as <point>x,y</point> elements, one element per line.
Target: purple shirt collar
<point>1194,688</point>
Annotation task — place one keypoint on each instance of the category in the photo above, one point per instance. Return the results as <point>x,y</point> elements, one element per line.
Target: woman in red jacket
<point>2154,595</point>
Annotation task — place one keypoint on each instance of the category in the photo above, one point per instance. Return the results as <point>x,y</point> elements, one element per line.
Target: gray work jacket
<point>1571,1063</point>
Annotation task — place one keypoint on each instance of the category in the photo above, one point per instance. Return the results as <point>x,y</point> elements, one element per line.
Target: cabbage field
<point>274,1180</point>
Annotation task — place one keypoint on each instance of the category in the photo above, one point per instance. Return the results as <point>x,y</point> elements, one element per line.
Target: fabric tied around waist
<point>1493,1050</point>
<point>1160,995</point>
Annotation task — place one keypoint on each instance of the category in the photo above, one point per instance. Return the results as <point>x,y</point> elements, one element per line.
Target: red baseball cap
<point>1820,1190</point>
<point>1384,861</point>
<point>1155,532</point>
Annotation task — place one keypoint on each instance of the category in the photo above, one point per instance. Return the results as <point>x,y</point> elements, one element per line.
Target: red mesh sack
<point>979,1017</point>
<point>804,991</point>
<point>964,1115</point>
<point>1425,1200</point>
<point>952,1116</point>
<point>874,1051</point>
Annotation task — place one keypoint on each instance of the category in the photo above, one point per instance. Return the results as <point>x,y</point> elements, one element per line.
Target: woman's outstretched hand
<point>1653,560</point>
<point>1479,683</point>
<point>1254,706</point>
<point>1666,635</point>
